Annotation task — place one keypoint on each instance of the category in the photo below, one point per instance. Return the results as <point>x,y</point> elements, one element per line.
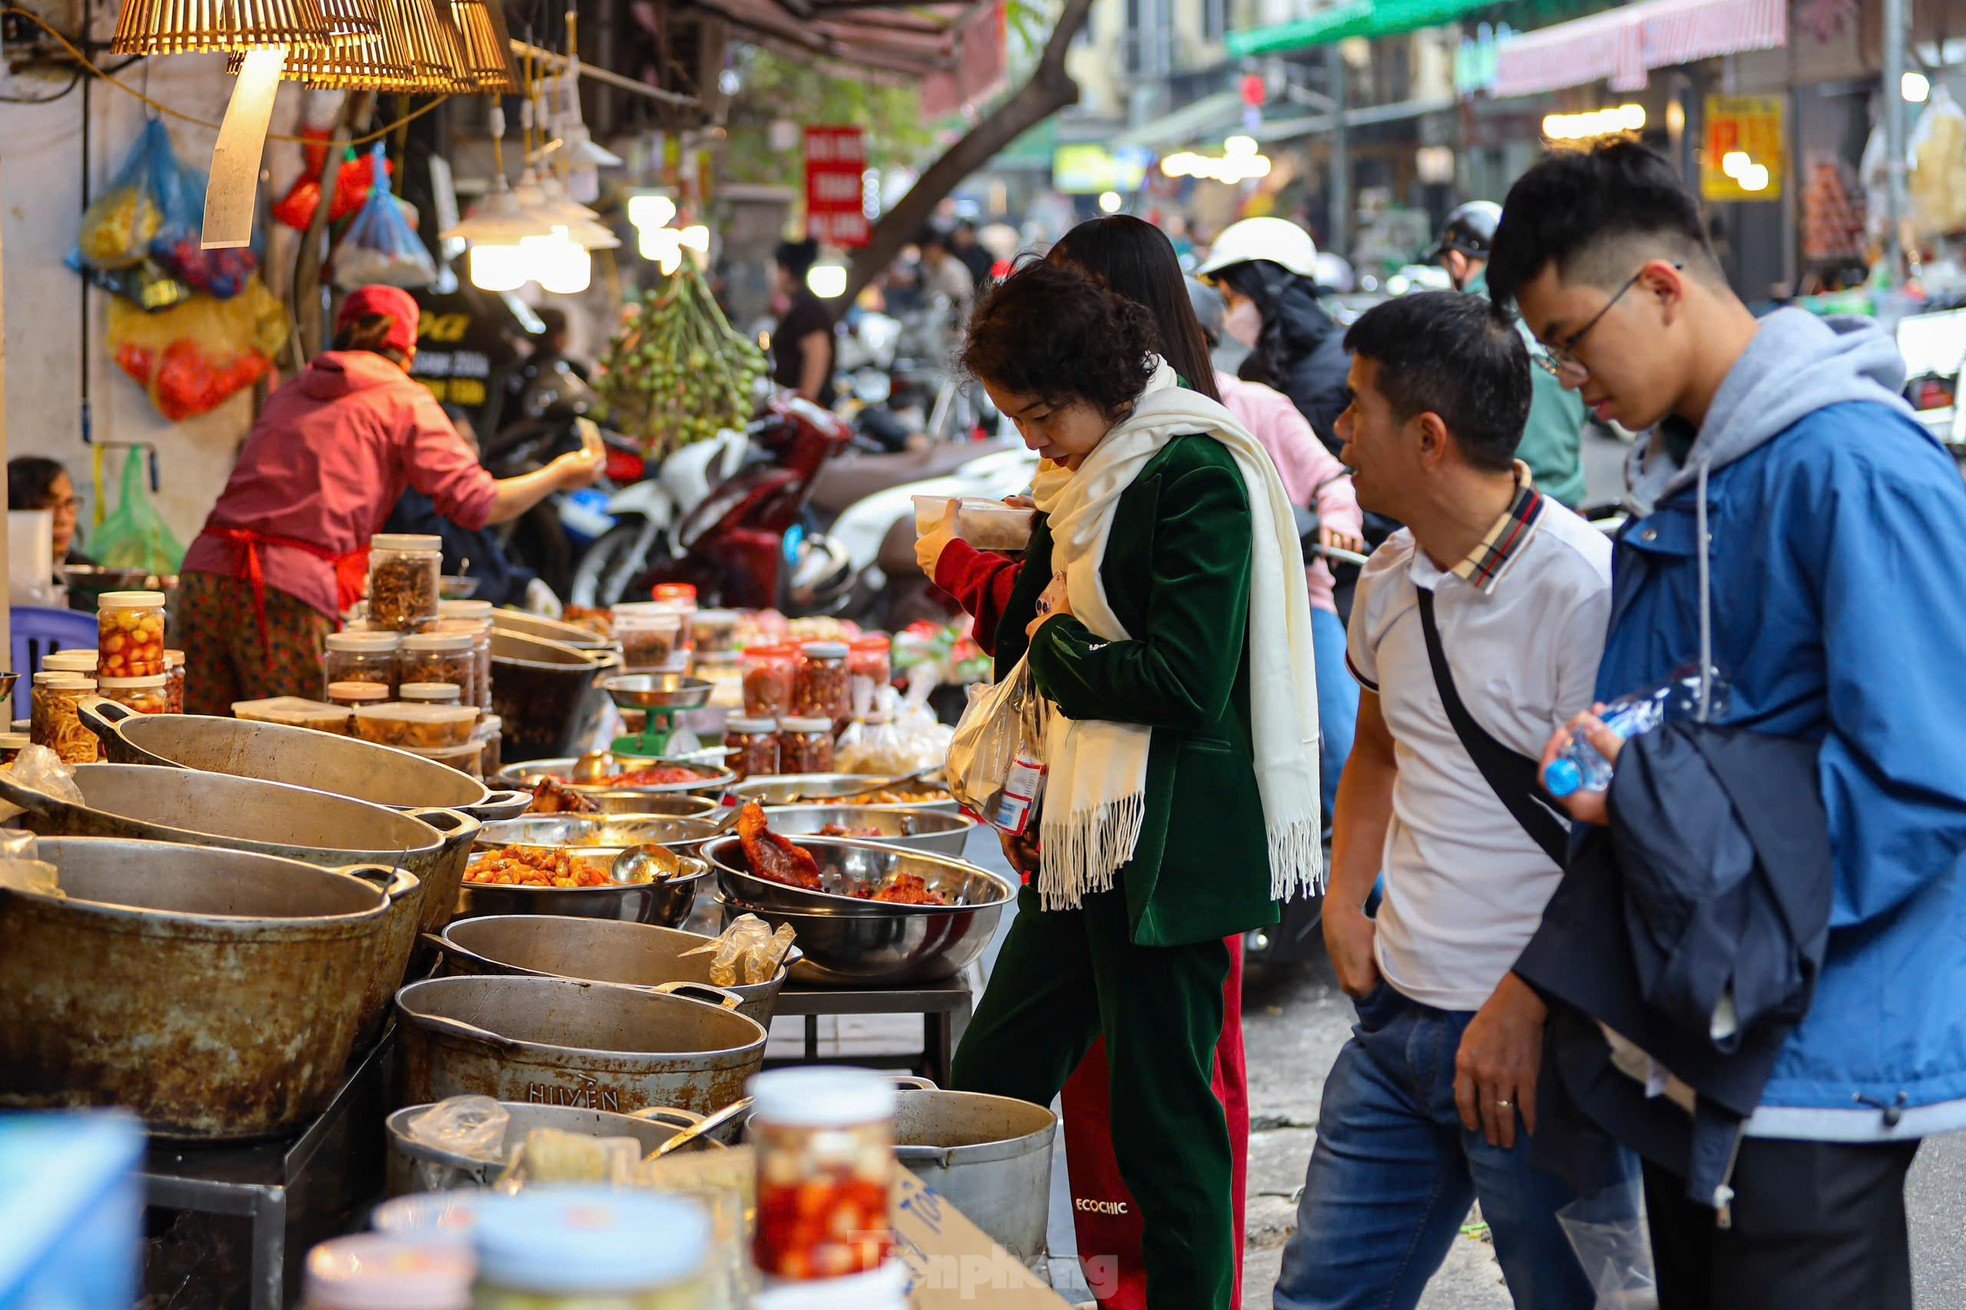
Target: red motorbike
<point>749,544</point>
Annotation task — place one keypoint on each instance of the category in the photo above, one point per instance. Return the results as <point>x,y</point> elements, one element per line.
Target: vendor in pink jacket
<point>285,550</point>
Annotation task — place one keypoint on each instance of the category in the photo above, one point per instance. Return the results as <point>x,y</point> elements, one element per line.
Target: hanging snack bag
<point>379,246</point>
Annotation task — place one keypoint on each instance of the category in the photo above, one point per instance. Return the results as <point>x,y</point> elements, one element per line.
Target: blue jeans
<point>1394,1172</point>
<point>1337,703</point>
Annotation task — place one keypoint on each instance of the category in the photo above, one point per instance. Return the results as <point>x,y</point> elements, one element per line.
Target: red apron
<point>351,571</point>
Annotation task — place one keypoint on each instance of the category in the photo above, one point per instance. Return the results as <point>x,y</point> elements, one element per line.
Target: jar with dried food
<point>174,689</point>
<point>479,613</point>
<point>715,631</point>
<point>825,688</point>
<point>352,694</point>
<point>771,675</point>
<point>150,695</point>
<point>805,745</point>
<point>81,661</point>
<point>753,744</point>
<point>403,573</point>
<point>870,662</point>
<point>649,636</point>
<point>438,657</point>
<point>130,634</point>
<point>361,657</point>
<point>431,693</point>
<point>824,1140</point>
<point>55,720</point>
<point>12,744</point>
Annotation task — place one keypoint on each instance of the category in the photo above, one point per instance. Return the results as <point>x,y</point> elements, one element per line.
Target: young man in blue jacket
<point>1795,529</point>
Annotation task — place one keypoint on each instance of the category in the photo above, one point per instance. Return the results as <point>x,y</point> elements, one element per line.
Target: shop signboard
<point>1086,168</point>
<point>836,206</point>
<point>465,351</point>
<point>1746,150</point>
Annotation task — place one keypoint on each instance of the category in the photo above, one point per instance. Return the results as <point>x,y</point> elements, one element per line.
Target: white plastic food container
<point>984,524</point>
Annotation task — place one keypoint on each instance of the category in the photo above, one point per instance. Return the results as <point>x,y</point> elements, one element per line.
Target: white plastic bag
<point>471,1126</point>
<point>1607,1231</point>
<point>996,758</point>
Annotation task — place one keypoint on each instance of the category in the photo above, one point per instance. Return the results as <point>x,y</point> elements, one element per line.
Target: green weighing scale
<point>660,697</point>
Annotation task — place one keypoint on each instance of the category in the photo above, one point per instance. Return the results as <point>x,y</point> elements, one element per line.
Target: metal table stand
<point>945,1008</point>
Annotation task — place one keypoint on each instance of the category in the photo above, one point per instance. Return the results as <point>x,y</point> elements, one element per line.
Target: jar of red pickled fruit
<point>771,675</point>
<point>130,634</point>
<point>824,1140</point>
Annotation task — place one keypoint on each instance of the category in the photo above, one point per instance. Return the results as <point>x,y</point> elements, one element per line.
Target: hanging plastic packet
<point>113,249</point>
<point>21,867</point>
<point>748,951</point>
<point>134,535</point>
<point>379,246</point>
<point>178,246</point>
<point>996,767</point>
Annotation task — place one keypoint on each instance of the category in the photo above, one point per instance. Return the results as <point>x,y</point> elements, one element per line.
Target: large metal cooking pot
<point>593,950</point>
<point>215,993</point>
<point>265,818</point>
<point>877,949</point>
<point>419,1167</point>
<point>825,788</point>
<point>990,1155</point>
<point>911,829</point>
<point>709,780</point>
<point>548,694</point>
<point>556,1042</point>
<point>852,870</point>
<point>299,757</point>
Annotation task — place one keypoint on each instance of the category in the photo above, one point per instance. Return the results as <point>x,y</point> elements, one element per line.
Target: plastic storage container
<point>824,1140</point>
<point>71,661</point>
<point>130,633</point>
<point>54,720</point>
<point>361,657</point>
<point>473,617</point>
<point>755,746</point>
<point>438,657</point>
<point>403,572</point>
<point>714,632</point>
<point>587,1248</point>
<point>771,677</point>
<point>825,688</point>
<point>431,693</point>
<point>422,727</point>
<point>805,745</point>
<point>150,695</point>
<point>71,1210</point>
<point>174,689</point>
<point>295,712</point>
<point>649,635</point>
<point>372,1272</point>
<point>351,694</point>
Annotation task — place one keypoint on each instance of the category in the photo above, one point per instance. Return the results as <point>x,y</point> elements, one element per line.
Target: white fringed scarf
<point>1095,794</point>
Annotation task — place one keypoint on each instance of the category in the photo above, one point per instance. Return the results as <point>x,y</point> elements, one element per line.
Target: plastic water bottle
<point>1583,768</point>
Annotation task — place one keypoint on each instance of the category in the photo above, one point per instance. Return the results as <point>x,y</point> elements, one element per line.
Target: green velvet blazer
<point>1177,576</point>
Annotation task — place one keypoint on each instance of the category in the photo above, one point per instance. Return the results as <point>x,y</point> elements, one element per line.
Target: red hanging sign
<point>836,160</point>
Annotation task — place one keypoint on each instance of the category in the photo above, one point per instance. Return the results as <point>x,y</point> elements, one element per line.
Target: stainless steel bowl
<point>915,830</point>
<point>883,949</point>
<point>657,691</point>
<point>529,772</point>
<point>847,866</point>
<point>679,805</point>
<point>599,832</point>
<point>666,903</point>
<point>820,788</point>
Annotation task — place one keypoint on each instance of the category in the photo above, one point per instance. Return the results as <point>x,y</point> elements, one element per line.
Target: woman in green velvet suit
<point>1162,612</point>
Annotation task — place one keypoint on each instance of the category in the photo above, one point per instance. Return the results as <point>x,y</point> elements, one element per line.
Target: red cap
<point>394,302</point>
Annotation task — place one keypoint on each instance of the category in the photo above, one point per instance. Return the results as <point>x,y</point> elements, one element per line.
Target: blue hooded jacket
<point>1835,611</point>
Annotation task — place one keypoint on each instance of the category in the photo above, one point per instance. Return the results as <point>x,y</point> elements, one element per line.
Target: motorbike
<point>645,514</point>
<point>745,544</point>
<point>553,535</point>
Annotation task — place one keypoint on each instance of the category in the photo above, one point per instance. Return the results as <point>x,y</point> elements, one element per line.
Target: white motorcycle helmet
<point>1277,240</point>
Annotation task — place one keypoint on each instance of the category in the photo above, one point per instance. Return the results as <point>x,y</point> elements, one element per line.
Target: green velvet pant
<point>1065,978</point>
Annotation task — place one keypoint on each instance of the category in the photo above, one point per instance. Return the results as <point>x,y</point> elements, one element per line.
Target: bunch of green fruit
<point>677,372</point>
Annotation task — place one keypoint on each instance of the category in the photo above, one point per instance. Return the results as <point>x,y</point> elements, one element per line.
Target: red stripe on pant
<point>1104,1216</point>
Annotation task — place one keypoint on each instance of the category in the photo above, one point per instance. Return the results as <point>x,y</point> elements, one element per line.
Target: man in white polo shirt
<point>1475,630</point>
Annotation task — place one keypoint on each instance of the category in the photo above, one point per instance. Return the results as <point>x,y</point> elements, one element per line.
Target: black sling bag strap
<point>1511,776</point>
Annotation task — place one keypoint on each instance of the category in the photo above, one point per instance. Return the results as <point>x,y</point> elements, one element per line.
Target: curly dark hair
<point>1052,331</point>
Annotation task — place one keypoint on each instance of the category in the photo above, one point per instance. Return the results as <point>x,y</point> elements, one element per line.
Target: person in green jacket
<point>1162,616</point>
<point>1552,443</point>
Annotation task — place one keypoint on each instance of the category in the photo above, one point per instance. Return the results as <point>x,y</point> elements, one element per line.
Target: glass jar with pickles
<point>130,634</point>
<point>824,1140</point>
<point>55,719</point>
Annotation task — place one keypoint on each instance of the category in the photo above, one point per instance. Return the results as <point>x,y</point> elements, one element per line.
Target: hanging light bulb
<point>576,157</point>
<point>493,267</point>
<point>558,263</point>
<point>497,226</point>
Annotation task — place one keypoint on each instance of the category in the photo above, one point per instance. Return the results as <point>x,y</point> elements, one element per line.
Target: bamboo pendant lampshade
<point>486,48</point>
<point>178,27</point>
<point>412,49</point>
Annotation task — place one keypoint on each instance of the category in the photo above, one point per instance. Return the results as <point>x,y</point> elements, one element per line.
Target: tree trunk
<point>1050,89</point>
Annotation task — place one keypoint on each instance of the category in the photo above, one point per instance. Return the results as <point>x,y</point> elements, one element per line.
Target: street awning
<point>1620,46</point>
<point>1277,131</point>
<point>1210,118</point>
<point>1366,18</point>
<point>894,39</point>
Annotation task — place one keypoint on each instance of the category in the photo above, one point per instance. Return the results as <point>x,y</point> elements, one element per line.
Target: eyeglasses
<point>1560,359</point>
